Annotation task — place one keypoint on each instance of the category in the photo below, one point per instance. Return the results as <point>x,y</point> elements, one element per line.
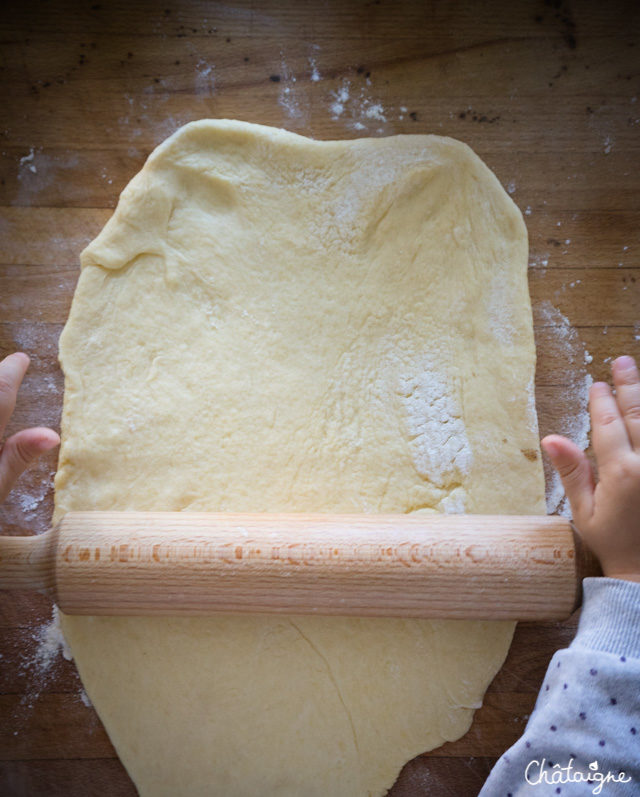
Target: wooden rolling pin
<point>177,563</point>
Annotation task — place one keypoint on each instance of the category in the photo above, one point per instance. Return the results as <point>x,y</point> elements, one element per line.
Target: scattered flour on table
<point>351,101</point>
<point>571,394</point>
<point>419,779</point>
<point>51,644</point>
<point>29,503</point>
<point>341,96</point>
<point>41,651</point>
<point>540,261</point>
<point>295,102</point>
<point>40,171</point>
<point>315,74</point>
<point>147,119</point>
<point>27,161</point>
<point>356,106</point>
<point>204,80</point>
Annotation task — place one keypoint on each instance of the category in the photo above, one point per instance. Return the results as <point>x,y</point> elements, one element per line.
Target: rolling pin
<point>417,565</point>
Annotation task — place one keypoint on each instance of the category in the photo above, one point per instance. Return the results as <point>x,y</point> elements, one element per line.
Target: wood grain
<point>460,567</point>
<point>547,93</point>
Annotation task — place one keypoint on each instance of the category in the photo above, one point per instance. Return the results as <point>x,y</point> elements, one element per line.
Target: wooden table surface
<point>546,92</point>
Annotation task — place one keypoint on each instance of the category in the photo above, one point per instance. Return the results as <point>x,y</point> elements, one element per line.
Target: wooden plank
<point>89,777</point>
<point>24,613</point>
<point>593,296</point>
<point>40,341</point>
<point>45,236</point>
<point>599,239</point>
<point>152,119</point>
<point>50,726</point>
<point>45,290</point>
<point>165,83</point>
<point>589,297</point>
<point>531,650</point>
<point>158,65</point>
<point>23,672</point>
<point>96,777</point>
<point>48,236</point>
<point>94,178</point>
<point>402,20</point>
<point>442,776</point>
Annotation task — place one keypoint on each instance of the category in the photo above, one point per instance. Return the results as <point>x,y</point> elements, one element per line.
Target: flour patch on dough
<point>358,198</point>
<point>532,415</point>
<point>453,503</point>
<point>439,442</point>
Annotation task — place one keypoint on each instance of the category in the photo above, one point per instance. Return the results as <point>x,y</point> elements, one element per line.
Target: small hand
<point>22,447</point>
<point>607,514</point>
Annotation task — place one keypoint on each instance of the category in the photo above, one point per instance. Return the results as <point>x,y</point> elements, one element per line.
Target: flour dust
<point>569,387</point>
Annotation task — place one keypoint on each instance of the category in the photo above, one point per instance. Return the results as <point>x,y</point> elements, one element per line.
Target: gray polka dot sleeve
<point>583,736</point>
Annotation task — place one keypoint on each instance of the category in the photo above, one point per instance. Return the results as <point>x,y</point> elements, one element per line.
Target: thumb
<point>19,450</point>
<point>575,471</point>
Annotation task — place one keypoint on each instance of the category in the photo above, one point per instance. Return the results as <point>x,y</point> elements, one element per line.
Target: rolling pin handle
<point>587,565</point>
<point>28,562</point>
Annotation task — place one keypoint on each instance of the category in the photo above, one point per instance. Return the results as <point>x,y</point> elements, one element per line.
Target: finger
<point>627,382</point>
<point>21,449</point>
<point>610,438</point>
<point>575,471</point>
<point>12,371</point>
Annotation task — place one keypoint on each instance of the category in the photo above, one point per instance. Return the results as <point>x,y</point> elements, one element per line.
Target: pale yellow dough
<point>273,323</point>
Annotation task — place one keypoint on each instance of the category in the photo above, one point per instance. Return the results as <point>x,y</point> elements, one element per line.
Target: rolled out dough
<point>273,323</point>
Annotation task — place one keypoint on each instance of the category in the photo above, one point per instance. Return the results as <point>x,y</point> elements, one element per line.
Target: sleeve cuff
<point>610,617</point>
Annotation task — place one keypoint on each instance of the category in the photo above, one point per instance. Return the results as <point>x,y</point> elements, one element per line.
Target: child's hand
<point>607,515</point>
<point>22,447</point>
